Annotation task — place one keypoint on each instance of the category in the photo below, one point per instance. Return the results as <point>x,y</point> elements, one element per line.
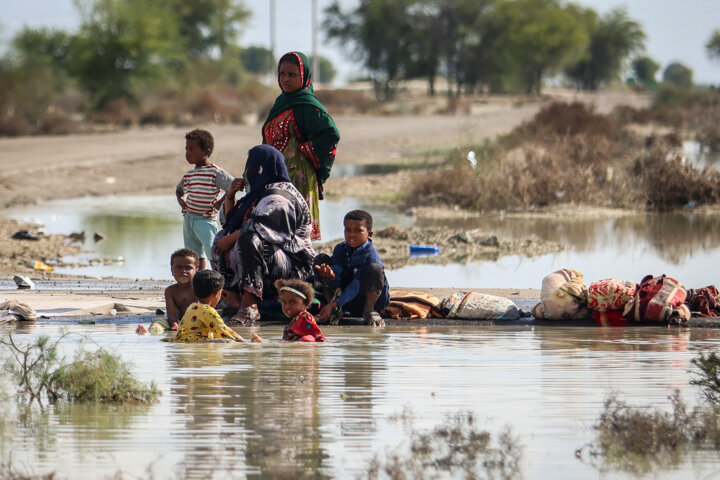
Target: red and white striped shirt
<point>201,188</point>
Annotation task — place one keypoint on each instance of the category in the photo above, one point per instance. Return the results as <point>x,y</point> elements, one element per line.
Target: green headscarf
<point>319,129</point>
<point>305,95</point>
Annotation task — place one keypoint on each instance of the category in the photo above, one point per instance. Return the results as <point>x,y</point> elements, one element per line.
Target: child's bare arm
<point>171,308</point>
<point>181,201</point>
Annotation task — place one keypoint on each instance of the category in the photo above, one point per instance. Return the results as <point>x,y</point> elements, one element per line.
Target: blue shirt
<point>349,264</point>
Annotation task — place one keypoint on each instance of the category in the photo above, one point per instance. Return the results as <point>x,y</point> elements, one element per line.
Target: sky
<point>677,30</point>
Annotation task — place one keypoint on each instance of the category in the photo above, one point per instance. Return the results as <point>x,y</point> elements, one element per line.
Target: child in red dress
<point>295,297</point>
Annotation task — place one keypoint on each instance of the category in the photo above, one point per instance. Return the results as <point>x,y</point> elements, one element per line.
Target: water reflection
<point>144,230</point>
<point>288,410</point>
<point>699,156</point>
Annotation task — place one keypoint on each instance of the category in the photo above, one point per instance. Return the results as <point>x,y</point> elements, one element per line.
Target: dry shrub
<point>576,169</point>
<point>165,111</point>
<point>347,101</point>
<point>14,126</point>
<point>116,112</point>
<point>668,182</point>
<point>58,122</point>
<point>569,154</point>
<point>559,118</point>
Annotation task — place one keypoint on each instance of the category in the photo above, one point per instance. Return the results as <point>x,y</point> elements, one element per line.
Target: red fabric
<point>659,299</point>
<point>704,302</point>
<point>304,325</point>
<point>610,318</point>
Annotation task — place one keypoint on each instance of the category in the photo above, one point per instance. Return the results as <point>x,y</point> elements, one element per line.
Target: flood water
<point>324,410</point>
<point>143,230</point>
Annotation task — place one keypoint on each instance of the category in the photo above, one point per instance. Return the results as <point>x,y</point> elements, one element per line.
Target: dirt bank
<point>453,246</point>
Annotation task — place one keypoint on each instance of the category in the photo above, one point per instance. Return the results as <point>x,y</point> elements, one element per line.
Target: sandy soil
<point>152,160</point>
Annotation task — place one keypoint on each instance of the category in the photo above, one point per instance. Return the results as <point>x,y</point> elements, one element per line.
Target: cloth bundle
<point>563,296</point>
<point>409,305</point>
<point>12,310</point>
<point>658,299</point>
<point>704,302</point>
<point>476,305</point>
<point>610,294</point>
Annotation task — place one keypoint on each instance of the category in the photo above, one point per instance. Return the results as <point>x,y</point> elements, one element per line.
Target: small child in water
<point>184,265</point>
<point>295,297</point>
<point>201,321</point>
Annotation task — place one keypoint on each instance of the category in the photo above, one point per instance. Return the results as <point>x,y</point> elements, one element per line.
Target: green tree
<point>613,38</point>
<point>205,25</point>
<point>645,69</point>
<point>124,46</point>
<point>539,38</point>
<point>679,75</point>
<point>326,71</point>
<point>712,47</point>
<point>34,73</point>
<point>377,33</point>
<point>257,60</point>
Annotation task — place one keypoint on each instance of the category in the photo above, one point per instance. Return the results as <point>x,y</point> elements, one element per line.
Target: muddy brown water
<point>324,410</point>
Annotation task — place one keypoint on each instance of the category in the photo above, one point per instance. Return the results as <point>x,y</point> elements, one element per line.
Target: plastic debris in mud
<point>472,158</point>
<point>38,265</point>
<point>424,250</point>
<point>23,282</point>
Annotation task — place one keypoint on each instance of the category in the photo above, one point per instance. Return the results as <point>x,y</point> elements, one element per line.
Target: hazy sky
<point>677,30</point>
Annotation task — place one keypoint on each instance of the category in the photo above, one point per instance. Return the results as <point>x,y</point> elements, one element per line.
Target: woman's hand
<point>226,243</point>
<point>324,313</point>
<point>237,185</point>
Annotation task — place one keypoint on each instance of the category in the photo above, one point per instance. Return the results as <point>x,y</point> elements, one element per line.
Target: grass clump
<point>41,374</point>
<point>638,439</point>
<point>707,376</point>
<point>454,449</point>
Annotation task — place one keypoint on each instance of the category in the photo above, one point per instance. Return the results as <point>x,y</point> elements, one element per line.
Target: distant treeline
<point>494,45</point>
<point>178,61</point>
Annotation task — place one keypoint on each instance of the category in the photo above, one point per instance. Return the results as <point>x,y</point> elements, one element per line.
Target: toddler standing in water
<point>295,297</point>
<point>201,321</point>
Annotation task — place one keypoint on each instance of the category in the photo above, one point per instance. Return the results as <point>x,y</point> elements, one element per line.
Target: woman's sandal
<point>246,316</point>
<point>374,319</point>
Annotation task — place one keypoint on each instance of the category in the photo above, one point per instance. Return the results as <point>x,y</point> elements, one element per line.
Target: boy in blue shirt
<point>357,271</point>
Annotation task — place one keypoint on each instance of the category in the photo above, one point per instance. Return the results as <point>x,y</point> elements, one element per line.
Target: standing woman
<point>299,126</point>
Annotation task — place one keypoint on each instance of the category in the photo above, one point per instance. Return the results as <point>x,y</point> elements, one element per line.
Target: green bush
<point>98,376</point>
<point>101,376</point>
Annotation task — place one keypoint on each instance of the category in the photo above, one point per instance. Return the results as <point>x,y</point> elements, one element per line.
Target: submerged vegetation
<point>457,448</point>
<point>42,375</point>
<point>568,153</point>
<point>640,439</point>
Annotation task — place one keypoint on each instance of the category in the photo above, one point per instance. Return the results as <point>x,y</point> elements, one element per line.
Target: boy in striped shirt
<point>198,194</point>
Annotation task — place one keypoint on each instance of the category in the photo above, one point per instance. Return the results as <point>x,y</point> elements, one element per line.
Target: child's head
<point>358,227</point>
<point>295,295</point>
<point>184,265</point>
<point>290,73</point>
<point>199,145</point>
<point>207,286</point>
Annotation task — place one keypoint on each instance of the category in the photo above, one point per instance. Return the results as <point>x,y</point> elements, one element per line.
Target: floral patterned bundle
<point>610,294</point>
